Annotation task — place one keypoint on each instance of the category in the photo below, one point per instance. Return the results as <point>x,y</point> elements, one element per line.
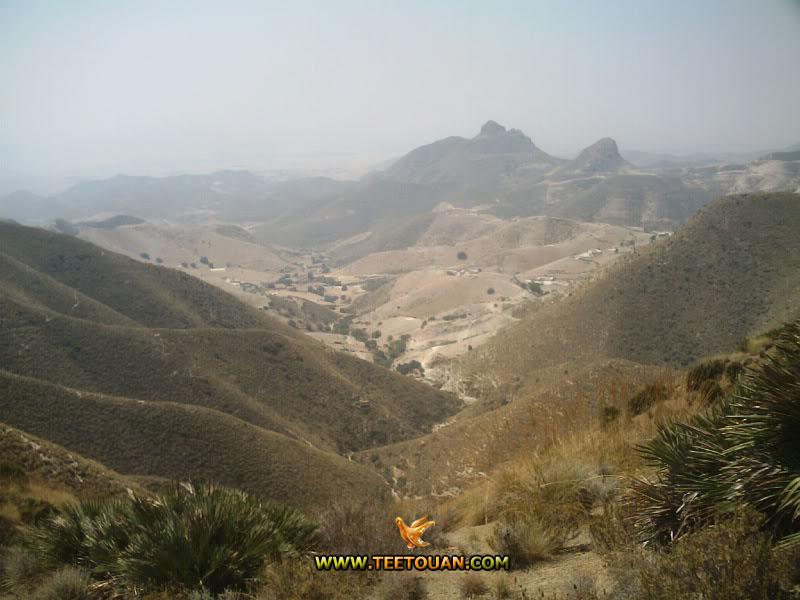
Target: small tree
<point>406,368</point>
<point>203,260</point>
<point>359,334</point>
<point>376,334</point>
<point>490,291</point>
<point>461,255</point>
<point>145,255</point>
<point>158,260</point>
<point>185,265</point>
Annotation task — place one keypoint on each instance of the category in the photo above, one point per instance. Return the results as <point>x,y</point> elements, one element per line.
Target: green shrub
<point>380,358</point>
<point>68,583</point>
<point>741,452</point>
<point>406,368</point>
<point>191,535</point>
<point>360,334</point>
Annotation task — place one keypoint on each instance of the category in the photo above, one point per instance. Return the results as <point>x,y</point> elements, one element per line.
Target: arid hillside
<point>82,322</point>
<point>729,273</point>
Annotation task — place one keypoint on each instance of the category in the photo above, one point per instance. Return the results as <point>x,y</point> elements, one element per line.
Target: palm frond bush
<point>745,451</point>
<point>191,536</point>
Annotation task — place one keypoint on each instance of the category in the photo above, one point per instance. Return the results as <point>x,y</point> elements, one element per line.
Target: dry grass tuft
<point>472,585</point>
<point>402,586</point>
<point>298,579</point>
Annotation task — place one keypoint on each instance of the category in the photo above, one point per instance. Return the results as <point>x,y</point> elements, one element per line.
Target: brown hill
<point>178,441</point>
<point>730,272</point>
<point>76,316</point>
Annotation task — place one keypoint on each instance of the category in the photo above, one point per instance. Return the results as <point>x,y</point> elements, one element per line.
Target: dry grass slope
<point>58,467</point>
<point>179,442</point>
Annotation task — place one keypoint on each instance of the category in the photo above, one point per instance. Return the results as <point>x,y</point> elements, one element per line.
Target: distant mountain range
<point>656,160</point>
<point>499,172</point>
<point>224,195</point>
<point>503,173</point>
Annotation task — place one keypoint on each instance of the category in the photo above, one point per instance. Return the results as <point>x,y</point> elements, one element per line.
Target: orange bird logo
<point>412,534</point>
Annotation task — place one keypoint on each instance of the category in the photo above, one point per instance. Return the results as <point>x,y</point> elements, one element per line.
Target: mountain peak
<point>492,128</point>
<point>603,155</point>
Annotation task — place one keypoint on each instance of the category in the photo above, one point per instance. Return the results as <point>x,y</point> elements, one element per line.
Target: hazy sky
<point>142,86</point>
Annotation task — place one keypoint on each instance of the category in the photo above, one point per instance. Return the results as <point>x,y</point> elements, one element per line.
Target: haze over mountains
<point>499,171</point>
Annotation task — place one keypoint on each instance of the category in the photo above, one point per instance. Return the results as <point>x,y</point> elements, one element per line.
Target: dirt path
<point>575,570</point>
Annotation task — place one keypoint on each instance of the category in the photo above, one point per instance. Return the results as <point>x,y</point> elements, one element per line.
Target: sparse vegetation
<point>67,583</point>
<point>472,585</point>
<point>731,560</point>
<point>648,396</point>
